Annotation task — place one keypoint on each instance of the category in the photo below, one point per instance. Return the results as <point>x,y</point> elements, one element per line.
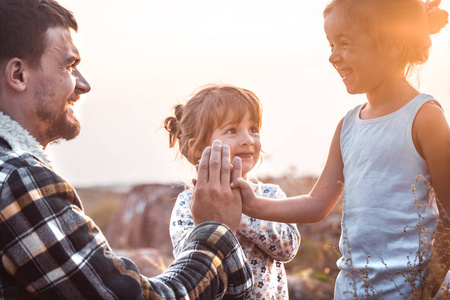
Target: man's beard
<point>60,126</point>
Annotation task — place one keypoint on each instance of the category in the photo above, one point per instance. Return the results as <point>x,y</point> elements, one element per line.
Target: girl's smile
<point>244,155</point>
<point>344,72</point>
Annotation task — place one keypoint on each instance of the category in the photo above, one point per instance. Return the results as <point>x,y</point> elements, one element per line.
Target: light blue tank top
<point>385,192</point>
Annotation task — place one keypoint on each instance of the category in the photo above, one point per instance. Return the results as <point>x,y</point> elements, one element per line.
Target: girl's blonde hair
<point>206,111</point>
<point>405,25</point>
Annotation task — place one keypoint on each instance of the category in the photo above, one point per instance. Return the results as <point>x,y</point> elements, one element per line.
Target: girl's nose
<point>334,57</point>
<point>247,140</point>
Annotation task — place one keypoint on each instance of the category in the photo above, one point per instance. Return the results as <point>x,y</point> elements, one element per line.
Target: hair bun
<point>178,111</point>
<point>172,124</point>
<point>437,18</point>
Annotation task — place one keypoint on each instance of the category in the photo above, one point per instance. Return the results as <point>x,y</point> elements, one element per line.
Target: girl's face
<point>243,140</point>
<point>355,56</point>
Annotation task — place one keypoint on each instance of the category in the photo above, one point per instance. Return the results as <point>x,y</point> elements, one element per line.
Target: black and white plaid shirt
<point>49,249</point>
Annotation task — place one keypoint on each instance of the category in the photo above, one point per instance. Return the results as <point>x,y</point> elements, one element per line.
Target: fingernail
<point>217,143</point>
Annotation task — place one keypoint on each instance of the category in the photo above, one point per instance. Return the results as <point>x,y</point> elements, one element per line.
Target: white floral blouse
<point>266,244</point>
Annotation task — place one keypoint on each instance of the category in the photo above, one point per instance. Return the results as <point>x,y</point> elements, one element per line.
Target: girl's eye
<point>342,43</point>
<point>254,130</point>
<point>231,131</point>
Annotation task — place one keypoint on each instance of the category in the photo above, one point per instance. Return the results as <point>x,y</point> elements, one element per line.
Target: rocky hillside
<point>142,221</point>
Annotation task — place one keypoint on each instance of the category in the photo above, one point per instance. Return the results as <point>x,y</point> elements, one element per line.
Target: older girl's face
<point>355,56</point>
<point>243,140</point>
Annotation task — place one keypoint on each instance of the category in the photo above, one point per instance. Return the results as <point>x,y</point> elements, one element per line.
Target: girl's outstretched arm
<point>309,208</point>
<point>431,135</point>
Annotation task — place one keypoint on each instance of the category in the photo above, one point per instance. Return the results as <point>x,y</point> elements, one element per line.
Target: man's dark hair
<point>23,24</point>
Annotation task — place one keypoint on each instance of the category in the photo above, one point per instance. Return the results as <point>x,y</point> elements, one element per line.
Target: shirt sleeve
<point>278,240</point>
<point>49,248</point>
<point>181,222</point>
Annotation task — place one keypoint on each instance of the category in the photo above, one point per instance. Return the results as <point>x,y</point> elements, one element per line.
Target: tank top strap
<point>415,104</point>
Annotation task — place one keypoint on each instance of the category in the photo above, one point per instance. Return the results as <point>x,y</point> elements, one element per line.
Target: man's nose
<point>83,85</point>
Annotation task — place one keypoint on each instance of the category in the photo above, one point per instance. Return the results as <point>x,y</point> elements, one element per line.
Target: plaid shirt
<point>50,249</point>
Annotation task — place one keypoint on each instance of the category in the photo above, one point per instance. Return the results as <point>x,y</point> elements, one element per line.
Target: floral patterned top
<point>266,244</point>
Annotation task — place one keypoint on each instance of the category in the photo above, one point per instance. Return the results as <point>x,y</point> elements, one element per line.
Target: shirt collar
<point>20,140</point>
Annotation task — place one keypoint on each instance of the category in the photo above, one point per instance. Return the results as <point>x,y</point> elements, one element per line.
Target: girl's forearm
<point>299,209</point>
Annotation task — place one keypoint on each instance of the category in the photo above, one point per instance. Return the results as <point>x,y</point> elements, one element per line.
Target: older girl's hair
<point>405,25</point>
<point>204,112</point>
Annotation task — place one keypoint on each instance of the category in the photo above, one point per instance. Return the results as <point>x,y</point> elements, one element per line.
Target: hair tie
<point>437,18</point>
<point>429,4</point>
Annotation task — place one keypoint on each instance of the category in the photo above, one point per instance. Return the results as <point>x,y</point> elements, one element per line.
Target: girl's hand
<point>249,199</point>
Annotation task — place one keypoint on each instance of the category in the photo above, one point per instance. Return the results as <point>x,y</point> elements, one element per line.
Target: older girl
<point>388,156</point>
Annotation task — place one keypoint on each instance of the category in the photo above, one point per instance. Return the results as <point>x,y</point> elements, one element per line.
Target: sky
<point>143,57</point>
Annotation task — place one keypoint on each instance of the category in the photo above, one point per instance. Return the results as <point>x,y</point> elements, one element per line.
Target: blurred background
<point>143,57</point>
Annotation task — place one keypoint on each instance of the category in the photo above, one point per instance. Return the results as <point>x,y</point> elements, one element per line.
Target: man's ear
<point>15,74</point>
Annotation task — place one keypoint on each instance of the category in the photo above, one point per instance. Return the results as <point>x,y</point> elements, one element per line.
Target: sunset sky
<point>143,57</point>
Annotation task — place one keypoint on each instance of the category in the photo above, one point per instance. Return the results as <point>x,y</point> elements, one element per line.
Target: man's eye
<point>73,65</point>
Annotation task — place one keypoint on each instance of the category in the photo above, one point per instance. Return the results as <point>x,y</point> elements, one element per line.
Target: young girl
<point>233,115</point>
<point>383,156</point>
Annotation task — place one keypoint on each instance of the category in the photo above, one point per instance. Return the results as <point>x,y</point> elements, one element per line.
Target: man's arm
<point>51,250</point>
<point>219,252</point>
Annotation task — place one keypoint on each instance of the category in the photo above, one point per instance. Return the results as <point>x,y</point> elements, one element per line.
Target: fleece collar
<point>20,140</point>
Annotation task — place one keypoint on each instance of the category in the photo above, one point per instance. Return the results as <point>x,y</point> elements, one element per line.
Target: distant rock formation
<point>143,219</point>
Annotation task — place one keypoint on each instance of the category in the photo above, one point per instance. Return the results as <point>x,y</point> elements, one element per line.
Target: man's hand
<point>214,200</point>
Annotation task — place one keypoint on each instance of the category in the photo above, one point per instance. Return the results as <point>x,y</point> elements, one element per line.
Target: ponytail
<point>172,125</point>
